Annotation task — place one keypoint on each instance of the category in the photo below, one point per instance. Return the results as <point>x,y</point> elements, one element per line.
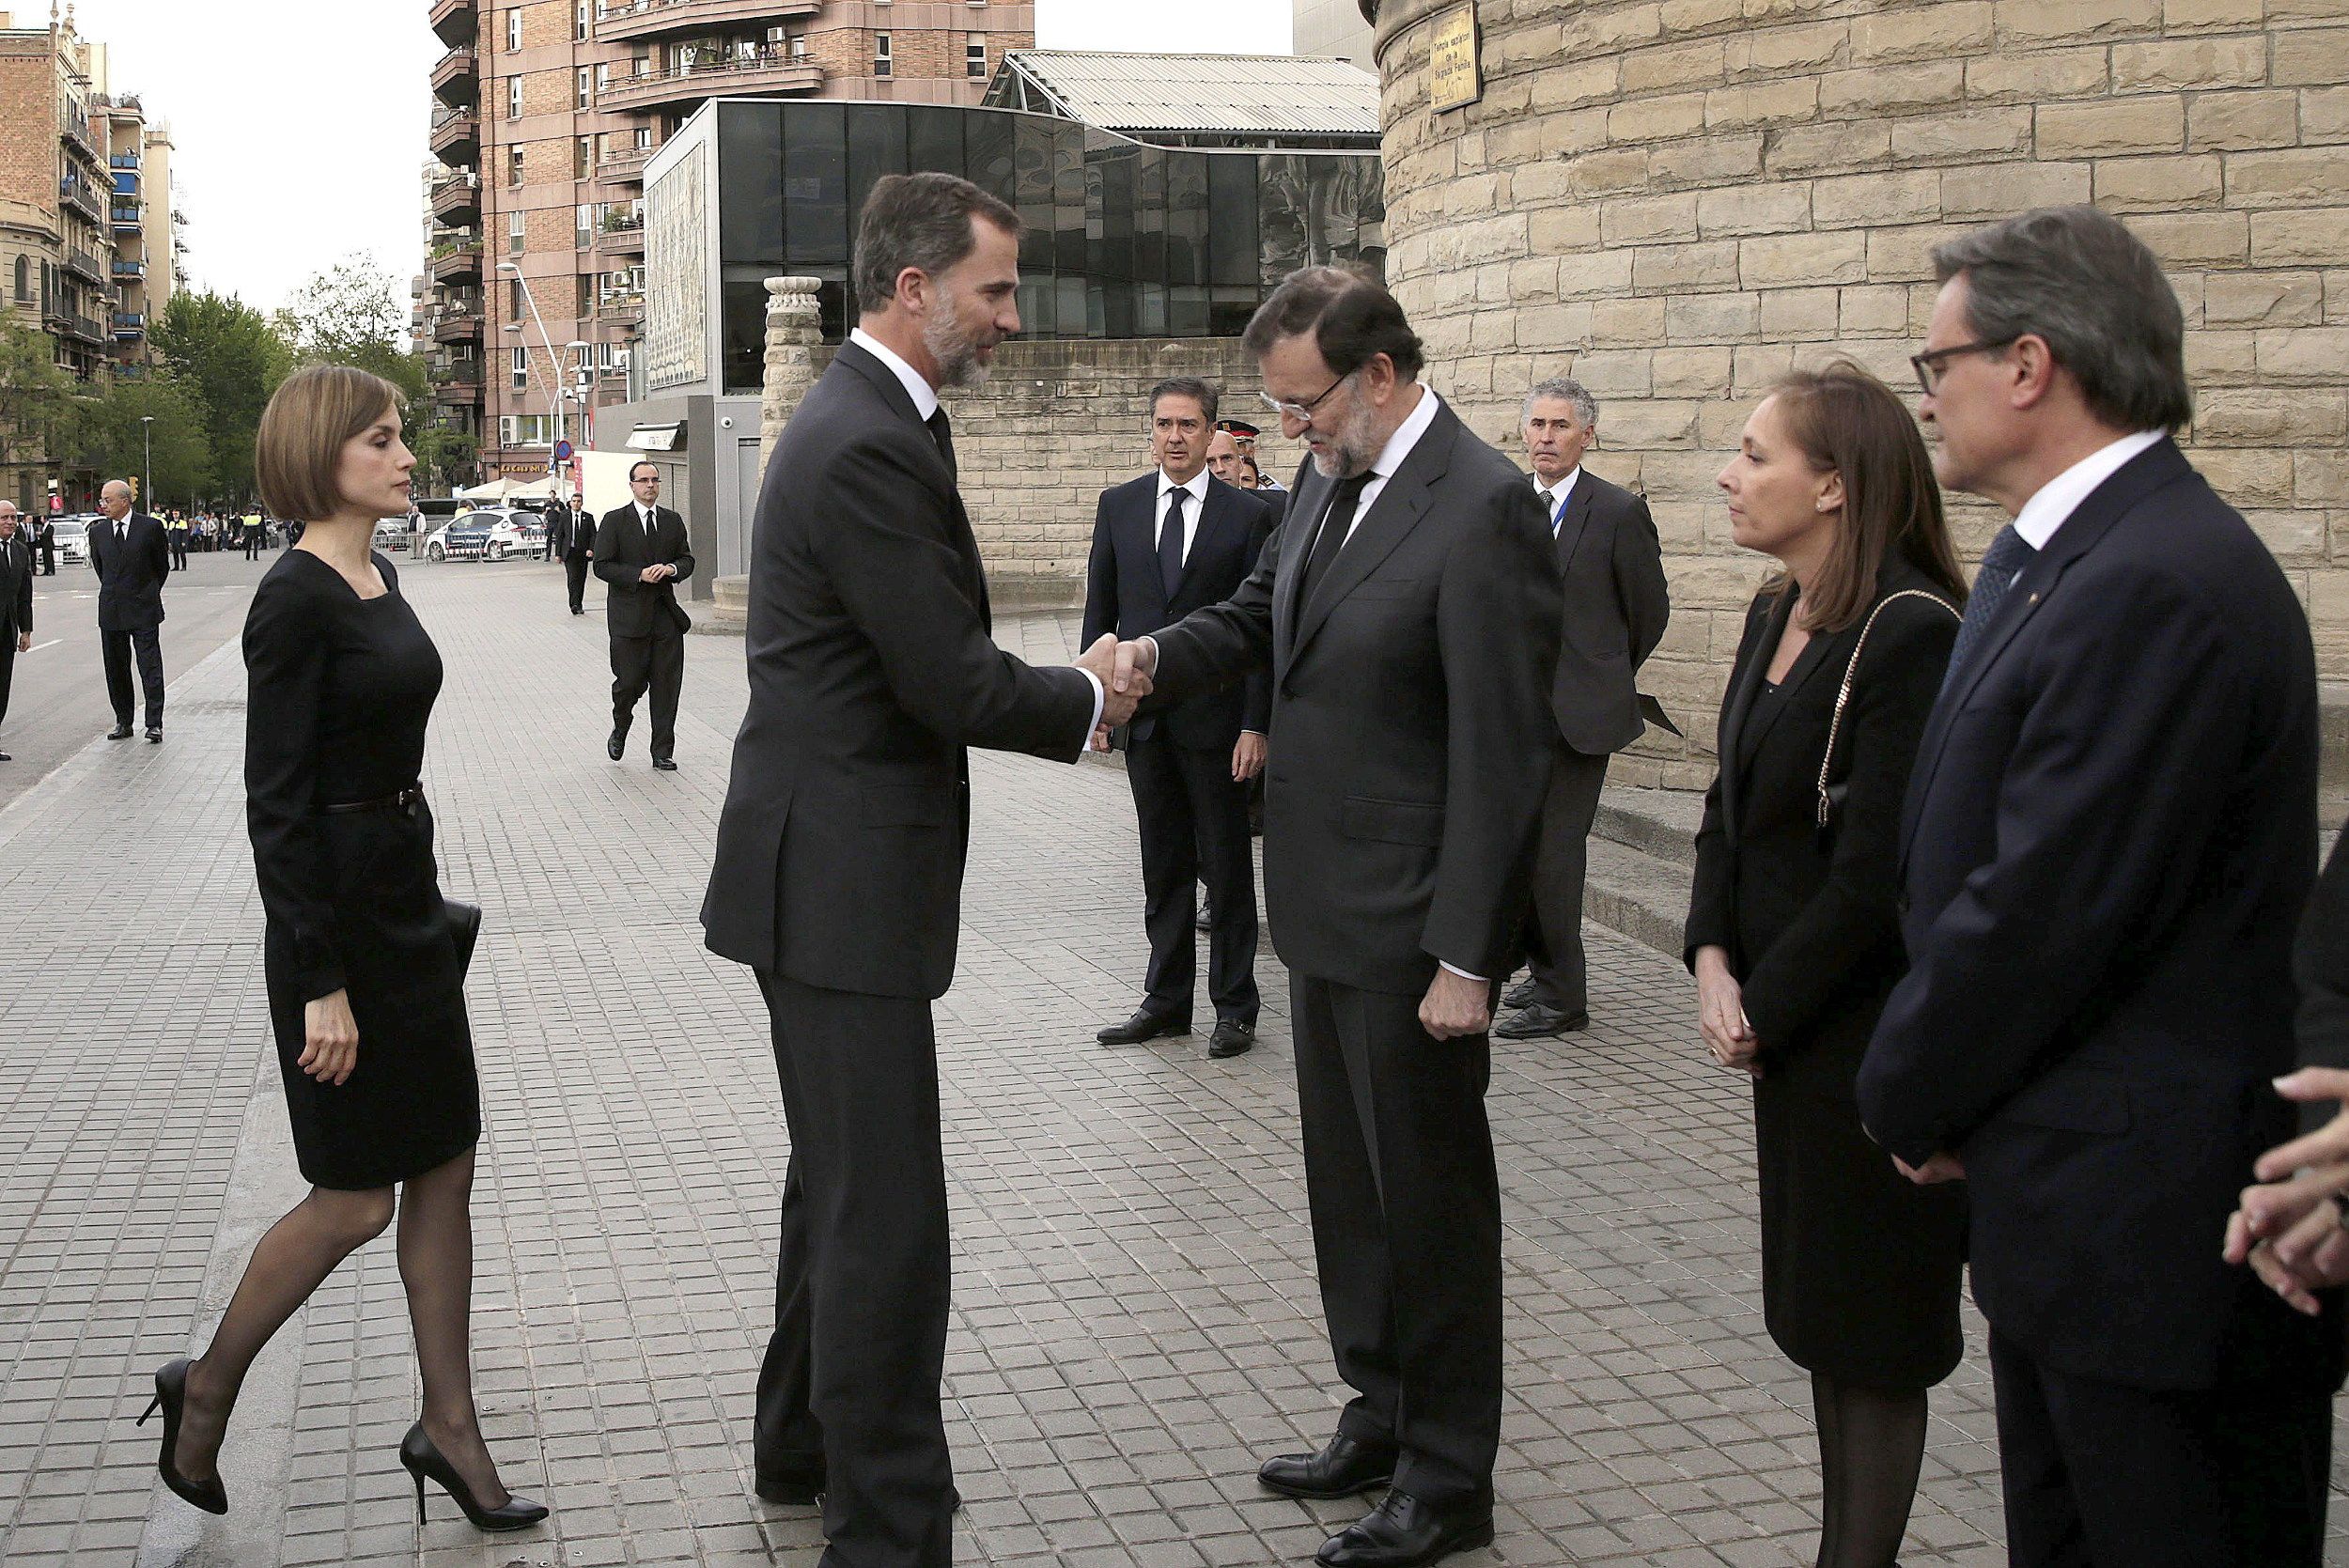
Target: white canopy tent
<point>541,488</point>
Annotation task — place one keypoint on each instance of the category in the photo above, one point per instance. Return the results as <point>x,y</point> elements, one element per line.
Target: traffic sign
<point>562,451</point>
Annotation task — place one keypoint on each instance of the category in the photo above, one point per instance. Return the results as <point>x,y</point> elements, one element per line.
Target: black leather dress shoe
<point>1231,1038</point>
<point>1540,1021</point>
<point>791,1488</point>
<point>1341,1468</point>
<point>120,731</point>
<point>1523,994</point>
<point>618,744</point>
<point>4,757</point>
<point>155,734</point>
<point>665,765</point>
<point>1143,1025</point>
<point>1404,1533</point>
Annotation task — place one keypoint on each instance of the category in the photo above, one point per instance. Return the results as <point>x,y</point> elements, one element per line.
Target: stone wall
<point>1677,200</point>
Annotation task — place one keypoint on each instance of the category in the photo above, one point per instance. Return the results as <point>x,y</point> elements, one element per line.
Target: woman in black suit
<point>1792,931</point>
<point>365,987</point>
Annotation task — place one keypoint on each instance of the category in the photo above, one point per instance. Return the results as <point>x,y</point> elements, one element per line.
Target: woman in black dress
<point>1793,934</point>
<point>366,989</point>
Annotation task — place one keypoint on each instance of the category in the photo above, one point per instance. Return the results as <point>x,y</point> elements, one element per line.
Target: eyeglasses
<point>1929,365</point>
<point>1303,413</point>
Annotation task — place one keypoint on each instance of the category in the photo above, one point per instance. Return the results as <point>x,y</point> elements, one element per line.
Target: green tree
<point>40,405</point>
<point>228,357</point>
<point>445,457</point>
<point>355,313</point>
<point>115,440</point>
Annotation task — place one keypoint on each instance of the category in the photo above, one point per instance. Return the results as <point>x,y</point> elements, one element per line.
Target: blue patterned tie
<point>2001,564</point>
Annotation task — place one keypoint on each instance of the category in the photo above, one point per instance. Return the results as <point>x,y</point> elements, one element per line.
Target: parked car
<point>73,538</point>
<point>490,533</point>
<point>392,534</point>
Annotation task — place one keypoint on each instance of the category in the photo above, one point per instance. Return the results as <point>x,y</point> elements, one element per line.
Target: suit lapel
<point>1727,744</point>
<point>2151,469</point>
<point>1577,518</point>
<point>1389,522</point>
<point>1214,513</point>
<point>1311,499</point>
<point>1757,727</point>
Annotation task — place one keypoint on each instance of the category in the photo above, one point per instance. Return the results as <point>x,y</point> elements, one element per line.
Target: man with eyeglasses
<point>1409,610</point>
<point>2109,837</point>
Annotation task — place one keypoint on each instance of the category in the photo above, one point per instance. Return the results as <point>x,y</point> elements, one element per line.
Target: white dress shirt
<point>1391,457</point>
<point>925,404</point>
<point>1197,490</point>
<point>1554,497</point>
<point>2052,505</point>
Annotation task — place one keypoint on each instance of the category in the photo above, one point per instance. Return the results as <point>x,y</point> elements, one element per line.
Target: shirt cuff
<point>1461,972</point>
<point>1100,698</point>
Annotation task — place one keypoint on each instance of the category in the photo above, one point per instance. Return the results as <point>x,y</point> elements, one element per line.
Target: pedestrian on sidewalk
<point>131,557</point>
<point>572,539</point>
<point>642,553</point>
<point>45,540</point>
<point>16,602</point>
<point>1793,934</point>
<point>365,982</point>
<point>177,531</point>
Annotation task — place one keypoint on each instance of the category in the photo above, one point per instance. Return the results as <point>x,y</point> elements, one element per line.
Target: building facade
<point>547,112</point>
<point>1333,29</point>
<point>1677,203</point>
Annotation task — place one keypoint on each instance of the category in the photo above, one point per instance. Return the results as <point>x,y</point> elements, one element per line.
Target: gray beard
<point>956,356</point>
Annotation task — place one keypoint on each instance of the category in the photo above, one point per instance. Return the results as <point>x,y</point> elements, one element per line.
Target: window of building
<point>513,165</point>
<point>882,61</point>
<point>580,23</point>
<point>514,28</point>
<point>520,360</point>
<point>583,158</point>
<point>583,296</point>
<point>514,232</point>
<point>24,280</point>
<point>515,304</point>
<point>603,78</point>
<point>974,57</point>
<point>585,221</point>
<point>525,429</point>
<point>644,138</point>
<point>587,87</point>
<point>513,97</point>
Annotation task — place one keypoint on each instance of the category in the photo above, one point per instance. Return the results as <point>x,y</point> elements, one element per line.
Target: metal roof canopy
<point>1220,95</point>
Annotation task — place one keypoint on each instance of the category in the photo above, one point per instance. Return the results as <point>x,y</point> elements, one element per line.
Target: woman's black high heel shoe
<point>424,1460</point>
<point>171,1396</point>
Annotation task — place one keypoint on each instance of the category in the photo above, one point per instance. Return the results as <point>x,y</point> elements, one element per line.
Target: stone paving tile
<point>1135,1318</point>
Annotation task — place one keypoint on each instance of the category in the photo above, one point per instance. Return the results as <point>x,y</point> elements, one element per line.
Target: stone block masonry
<point>1724,192</point>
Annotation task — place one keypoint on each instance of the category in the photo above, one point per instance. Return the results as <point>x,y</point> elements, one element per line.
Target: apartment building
<point>545,113</point>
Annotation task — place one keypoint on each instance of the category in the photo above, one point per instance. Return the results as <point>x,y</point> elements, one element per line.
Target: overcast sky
<point>301,130</point>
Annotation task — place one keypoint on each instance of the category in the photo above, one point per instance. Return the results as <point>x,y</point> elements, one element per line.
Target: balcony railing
<point>82,199</point>
<point>458,201</point>
<point>462,262</point>
<point>644,19</point>
<point>128,217</point>
<point>84,328</point>
<point>457,137</point>
<point>626,164</point>
<point>458,78</point>
<point>86,265</point>
<point>123,160</point>
<point>132,269</point>
<point>130,323</point>
<point>455,21</point>
<point>74,128</point>
<point>760,73</point>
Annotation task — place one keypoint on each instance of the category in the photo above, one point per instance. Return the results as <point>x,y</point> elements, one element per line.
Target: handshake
<point>1124,672</point>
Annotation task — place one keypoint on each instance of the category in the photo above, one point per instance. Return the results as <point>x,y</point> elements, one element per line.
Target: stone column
<point>794,330</point>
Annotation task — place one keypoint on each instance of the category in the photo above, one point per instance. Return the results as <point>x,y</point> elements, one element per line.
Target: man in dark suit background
<point>45,543</point>
<point>1616,605</point>
<point>1410,612</point>
<point>572,539</point>
<point>2110,834</point>
<point>1164,545</point>
<point>16,601</point>
<point>840,852</point>
<point>131,558</point>
<point>642,553</point>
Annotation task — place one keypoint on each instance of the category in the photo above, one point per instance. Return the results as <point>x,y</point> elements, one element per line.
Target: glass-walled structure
<point>1124,240</point>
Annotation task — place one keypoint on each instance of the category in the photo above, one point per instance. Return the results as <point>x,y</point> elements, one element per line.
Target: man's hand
<point>1455,1005</point>
<point>1137,660</point>
<point>1118,698</point>
<point>656,573</point>
<point>1248,756</point>
<point>1943,1167</point>
<point>24,642</point>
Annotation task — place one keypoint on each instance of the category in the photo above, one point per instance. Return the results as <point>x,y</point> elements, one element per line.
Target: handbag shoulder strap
<point>1842,694</point>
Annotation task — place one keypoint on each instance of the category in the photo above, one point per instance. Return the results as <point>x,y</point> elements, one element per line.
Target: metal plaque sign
<point>1456,79</point>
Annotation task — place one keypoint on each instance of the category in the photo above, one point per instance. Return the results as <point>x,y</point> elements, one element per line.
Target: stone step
<point>727,613</point>
<point>1640,895</point>
<point>1659,822</point>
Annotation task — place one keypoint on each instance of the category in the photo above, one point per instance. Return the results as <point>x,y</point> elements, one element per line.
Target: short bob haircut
<point>300,444</point>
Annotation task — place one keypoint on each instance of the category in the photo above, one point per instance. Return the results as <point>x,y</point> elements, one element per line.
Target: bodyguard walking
<point>642,553</point>
<point>45,540</point>
<point>16,601</point>
<point>572,539</point>
<point>131,556</point>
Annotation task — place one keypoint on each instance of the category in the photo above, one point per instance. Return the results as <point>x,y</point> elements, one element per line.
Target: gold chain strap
<point>1843,696</point>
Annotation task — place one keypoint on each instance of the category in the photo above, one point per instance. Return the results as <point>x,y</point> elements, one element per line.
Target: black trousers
<point>49,558</point>
<point>147,646</point>
<point>253,547</point>
<point>2098,1474</point>
<point>657,664</point>
<point>179,552</point>
<point>7,668</point>
<point>575,575</point>
<point>850,1386</point>
<point>1560,865</point>
<point>1194,828</point>
<point>1407,1229</point>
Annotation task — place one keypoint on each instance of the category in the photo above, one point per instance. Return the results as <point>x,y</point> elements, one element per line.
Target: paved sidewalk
<point>1135,1317</point>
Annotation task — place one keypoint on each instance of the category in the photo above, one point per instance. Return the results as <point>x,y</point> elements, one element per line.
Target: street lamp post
<point>147,430</point>
<point>532,302</point>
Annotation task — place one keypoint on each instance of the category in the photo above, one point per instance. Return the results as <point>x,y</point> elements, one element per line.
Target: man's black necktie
<point>1171,543</point>
<point>944,436</point>
<point>1335,524</point>
<point>2001,564</point>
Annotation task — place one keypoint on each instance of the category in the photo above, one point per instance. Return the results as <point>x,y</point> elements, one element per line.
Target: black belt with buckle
<point>407,799</point>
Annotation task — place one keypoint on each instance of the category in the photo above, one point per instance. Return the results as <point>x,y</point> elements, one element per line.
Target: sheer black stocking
<point>436,1267</point>
<point>1872,1446</point>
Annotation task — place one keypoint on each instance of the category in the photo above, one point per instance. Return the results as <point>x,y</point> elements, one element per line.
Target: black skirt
<point>1860,1267</point>
<point>413,1102</point>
